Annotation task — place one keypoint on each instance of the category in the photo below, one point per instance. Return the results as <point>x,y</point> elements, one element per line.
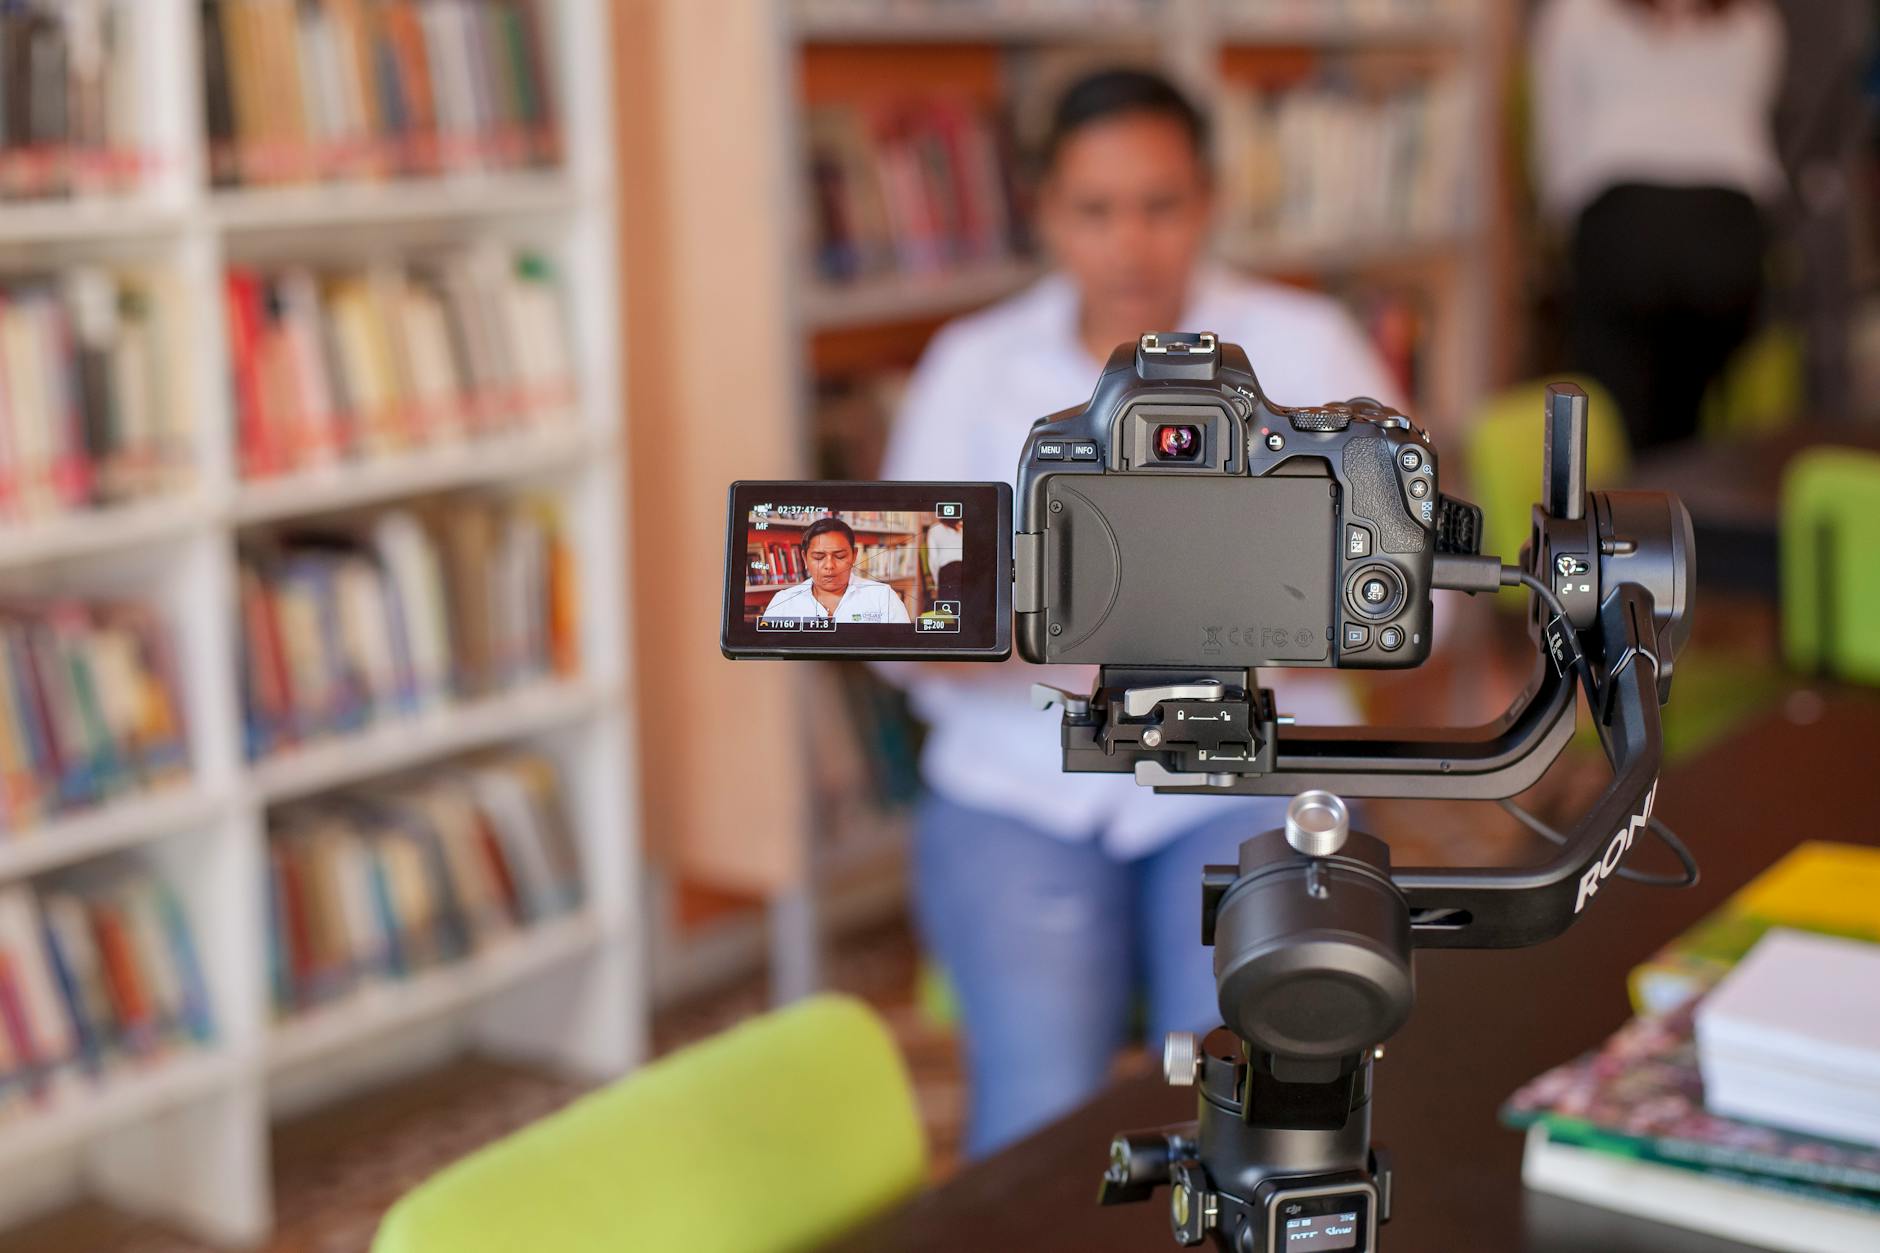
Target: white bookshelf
<point>186,1137</point>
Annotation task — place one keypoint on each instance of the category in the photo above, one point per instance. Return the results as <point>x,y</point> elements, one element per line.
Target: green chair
<point>780,1134</point>
<point>1761,388</point>
<point>1502,455</point>
<point>1831,563</point>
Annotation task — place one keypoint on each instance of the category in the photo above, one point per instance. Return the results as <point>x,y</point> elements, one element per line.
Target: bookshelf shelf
<point>461,196</point>
<point>347,485</point>
<point>935,24</point>
<point>126,1097</point>
<point>132,820</point>
<point>89,533</point>
<point>389,1005</point>
<point>86,219</point>
<point>400,743</point>
<point>906,298</point>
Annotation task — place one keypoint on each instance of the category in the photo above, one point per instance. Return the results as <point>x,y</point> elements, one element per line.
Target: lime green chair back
<point>1761,388</point>
<point>778,1135</point>
<point>1502,451</point>
<point>1831,563</point>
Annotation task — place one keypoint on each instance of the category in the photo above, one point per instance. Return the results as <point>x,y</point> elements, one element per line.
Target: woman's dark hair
<point>823,526</point>
<point>1108,94</point>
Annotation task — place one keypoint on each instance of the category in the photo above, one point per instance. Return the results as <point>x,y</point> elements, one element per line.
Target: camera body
<point>1182,518</point>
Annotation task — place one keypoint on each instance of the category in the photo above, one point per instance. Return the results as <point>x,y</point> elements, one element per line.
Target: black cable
<point>1665,834</point>
<point>1510,575</point>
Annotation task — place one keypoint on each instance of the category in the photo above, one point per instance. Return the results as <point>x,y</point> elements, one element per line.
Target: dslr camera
<point>1180,531</point>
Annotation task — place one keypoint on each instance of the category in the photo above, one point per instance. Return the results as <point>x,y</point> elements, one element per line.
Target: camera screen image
<point>809,567</point>
<point>868,569</point>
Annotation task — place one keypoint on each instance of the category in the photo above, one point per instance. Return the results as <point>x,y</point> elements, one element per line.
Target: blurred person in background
<point>1655,146</point>
<point>1053,901</point>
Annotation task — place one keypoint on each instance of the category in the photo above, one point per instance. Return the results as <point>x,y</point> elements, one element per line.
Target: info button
<point>1083,450</point>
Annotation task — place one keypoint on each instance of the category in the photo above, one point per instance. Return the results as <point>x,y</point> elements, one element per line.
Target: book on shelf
<point>917,186</point>
<point>352,364</point>
<point>90,708</point>
<point>307,90</point>
<point>384,883</point>
<point>1322,163</point>
<point>71,105</point>
<point>401,613</point>
<point>98,970</point>
<point>1626,1127</point>
<point>94,405</point>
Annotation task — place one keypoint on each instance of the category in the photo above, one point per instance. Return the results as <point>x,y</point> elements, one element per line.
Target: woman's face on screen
<point>830,559</point>
<point>1126,211</point>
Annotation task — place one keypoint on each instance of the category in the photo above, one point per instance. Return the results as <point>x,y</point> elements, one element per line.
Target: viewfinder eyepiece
<point>1177,443</point>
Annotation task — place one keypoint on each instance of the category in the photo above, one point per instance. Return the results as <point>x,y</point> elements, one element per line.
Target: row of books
<point>914,187</point>
<point>70,112</point>
<point>1325,163</point>
<point>1638,1125</point>
<point>401,614</point>
<point>355,363</point>
<point>300,90</point>
<point>90,708</point>
<point>97,969</point>
<point>888,561</point>
<point>382,884</point>
<point>94,405</point>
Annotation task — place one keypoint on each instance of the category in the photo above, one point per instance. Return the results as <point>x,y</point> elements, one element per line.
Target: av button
<point>1357,636</point>
<point>1357,541</point>
<point>1390,639</point>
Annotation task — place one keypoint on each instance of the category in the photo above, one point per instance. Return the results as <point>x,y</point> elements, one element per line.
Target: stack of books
<point>402,614</point>
<point>354,364</point>
<point>99,972</point>
<point>302,90</point>
<point>94,405</point>
<point>90,708</point>
<point>387,883</point>
<point>70,112</point>
<point>1316,164</point>
<point>1636,1126</point>
<point>917,187</point>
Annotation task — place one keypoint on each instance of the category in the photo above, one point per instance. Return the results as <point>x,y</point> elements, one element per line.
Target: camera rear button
<point>1050,450</point>
<point>1390,639</point>
<point>1357,541</point>
<point>1357,636</point>
<point>1082,450</point>
<point>1419,488</point>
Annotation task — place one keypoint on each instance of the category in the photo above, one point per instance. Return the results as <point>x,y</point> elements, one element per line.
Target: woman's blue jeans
<point>1051,945</point>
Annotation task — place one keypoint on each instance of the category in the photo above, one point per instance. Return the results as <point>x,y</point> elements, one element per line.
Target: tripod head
<point>1312,928</point>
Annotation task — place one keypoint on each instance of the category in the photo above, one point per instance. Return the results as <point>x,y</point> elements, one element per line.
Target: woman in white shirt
<point>833,588</point>
<point>1052,899</point>
<point>1656,148</point>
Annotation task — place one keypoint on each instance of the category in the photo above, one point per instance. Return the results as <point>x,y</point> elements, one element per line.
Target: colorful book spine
<point>387,882</point>
<point>304,90</point>
<point>402,613</point>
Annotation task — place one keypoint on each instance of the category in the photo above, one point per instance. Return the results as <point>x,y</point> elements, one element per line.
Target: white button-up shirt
<point>981,383</point>
<point>864,600</point>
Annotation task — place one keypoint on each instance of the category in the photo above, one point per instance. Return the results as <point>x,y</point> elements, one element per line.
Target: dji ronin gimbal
<point>1313,929</point>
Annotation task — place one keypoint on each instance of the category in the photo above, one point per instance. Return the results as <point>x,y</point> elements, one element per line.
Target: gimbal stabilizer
<point>1312,930</point>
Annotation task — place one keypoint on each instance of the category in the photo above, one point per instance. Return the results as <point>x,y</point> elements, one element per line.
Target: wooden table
<point>1484,1023</point>
<point>1734,492</point>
